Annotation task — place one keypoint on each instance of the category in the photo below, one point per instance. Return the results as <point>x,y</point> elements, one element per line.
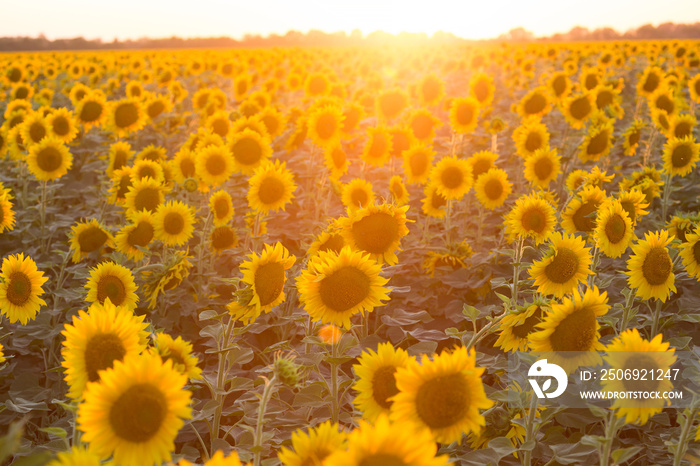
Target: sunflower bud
<point>191,185</point>
<point>286,370</point>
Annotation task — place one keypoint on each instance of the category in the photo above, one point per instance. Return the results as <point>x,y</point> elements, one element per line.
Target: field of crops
<point>329,256</point>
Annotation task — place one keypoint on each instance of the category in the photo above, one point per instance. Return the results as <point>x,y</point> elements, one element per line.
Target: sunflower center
<point>376,232</point>
<point>533,142</point>
<point>534,220</point>
<point>559,85</point>
<point>269,282</point>
<point>19,289</point>
<point>452,177</point>
<point>138,414</point>
<point>422,126</point>
<point>543,168</point>
<point>481,91</point>
<point>696,251</point>
<point>524,329</point>
<point>465,114</point>
<point>639,361</point>
<point>173,223</point>
<point>359,197</point>
<point>111,287</point>
<point>176,358</point>
<point>187,167</point>
<point>437,200</point>
<point>535,104</point>
<point>91,239</point>
<point>382,459</point>
<point>681,156</point>
<point>49,159</point>
<point>326,126</point>
<point>651,83</point>
<point>60,126</point>
<point>147,198</point>
<point>141,234</point>
<point>397,190</point>
<point>493,189</point>
<point>604,99</point>
<point>124,185</point>
<point>344,289</point>
<point>120,159</point>
<point>247,151</point>
<point>216,165</point>
<point>665,103</point>
<point>634,137</point>
<point>147,170</point>
<point>37,131</point>
<point>598,143</point>
<point>615,228</point>
<point>563,267</point>
<point>419,163</point>
<point>335,243</point>
<point>91,111</point>
<point>657,266</point>
<point>221,208</point>
<point>378,146</point>
<point>126,115</point>
<point>682,129</point>
<point>271,190</point>
<point>480,166</point>
<point>583,218</point>
<point>384,386</point>
<point>338,157</point>
<point>576,332</point>
<point>591,81</point>
<point>157,107</point>
<point>223,238</point>
<point>443,401</point>
<point>580,108</point>
<point>100,353</point>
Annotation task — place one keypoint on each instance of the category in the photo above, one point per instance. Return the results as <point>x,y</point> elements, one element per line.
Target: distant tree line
<point>316,38</point>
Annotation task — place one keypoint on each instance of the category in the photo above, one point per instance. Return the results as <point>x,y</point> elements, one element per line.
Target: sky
<point>471,19</point>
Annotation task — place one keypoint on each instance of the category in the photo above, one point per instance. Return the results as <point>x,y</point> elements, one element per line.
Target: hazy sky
<point>130,19</point>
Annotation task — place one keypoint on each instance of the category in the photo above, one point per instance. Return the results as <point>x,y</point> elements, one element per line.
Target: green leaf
<point>10,443</point>
<point>470,312</point>
<point>623,454</point>
<point>55,431</point>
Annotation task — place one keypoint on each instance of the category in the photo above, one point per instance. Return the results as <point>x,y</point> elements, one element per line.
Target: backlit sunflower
<point>690,255</point>
<point>375,382</point>
<point>580,214</point>
<point>634,203</point>
<point>532,216</point>
<point>145,193</point>
<point>274,121</point>
<point>357,194</point>
<point>614,229</point>
<point>454,258</point>
<point>336,286</point>
<point>482,89</point>
<point>336,160</point>
<point>184,165</point>
<point>249,150</point>
<point>77,456</point>
<point>179,352</point>
<point>121,182</point>
<point>597,143</point>
<point>417,163</point>
<point>630,352</point>
<point>515,329</point>
<point>452,177</point>
<point>433,204</point>
<point>663,100</point>
<point>214,165</point>
<point>153,153</point>
<point>147,168</point>
<point>135,411</point>
<point>650,80</point>
<point>431,90</point>
<point>325,125</point>
<point>650,268</point>
<point>464,114</point>
<point>50,159</point>
<point>221,207</point>
<point>119,155</point>
<point>20,288</point>
<point>170,276</point>
<point>88,237</point>
<point>96,339</point>
<point>443,394</point>
<point>7,214</point>
<point>481,162</point>
<point>608,99</point>
<point>492,188</point>
<point>92,110</point>
<point>385,443</point>
<point>569,334</point>
<point>126,116</point>
<point>423,125</point>
<point>559,86</point>
<point>399,193</point>
<point>114,282</point>
<point>530,137</point>
<point>377,149</point>
<point>682,126</point>
<point>271,187</point>
<point>632,136</point>
<point>391,103</point>
<point>330,239</point>
<point>137,234</point>
<point>534,104</point>
<point>222,238</point>
<point>314,446</point>
<point>566,264</point>
<point>157,105</point>
<point>265,276</point>
<point>543,167</point>
<point>34,128</point>
<point>377,230</point>
<point>578,108</point>
<point>680,156</point>
<point>174,223</point>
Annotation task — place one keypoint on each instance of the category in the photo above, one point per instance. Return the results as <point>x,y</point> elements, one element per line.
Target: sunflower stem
<point>448,222</point>
<point>683,439</point>
<point>335,406</point>
<point>516,268</point>
<point>629,301</point>
<point>666,198</point>
<point>594,266</point>
<point>42,215</point>
<point>494,143</point>
<point>530,429</point>
<point>200,257</point>
<point>220,380</point>
<point>655,321</point>
<point>611,427</point>
<point>264,400</point>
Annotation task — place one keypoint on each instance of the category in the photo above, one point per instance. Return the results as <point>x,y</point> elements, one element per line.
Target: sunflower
<point>92,110</point>
<point>336,160</point>
<point>126,116</point>
<point>222,238</point>
<point>184,165</point>
<point>515,329</point>
<point>431,90</point>
<point>136,235</point>
<point>614,229</point>
<point>492,188</point>
<point>144,194</point>
<point>443,394</point>
<point>330,239</point>
<point>357,194</point>
<point>650,80</point>
<point>96,339</point>
<point>271,187</point>
<point>274,121</point>
<point>179,352</point>
<point>634,203</point>
<point>629,351</point>
<point>324,125</point>
<point>50,159</point>
<point>314,446</point>
<point>157,105</point>
<point>682,126</point>
<point>399,193</point>
<point>452,177</point>
<point>253,123</point>
<point>221,207</point>
<point>663,100</point>
<point>482,89</point>
<point>559,86</point>
<point>20,288</point>
<point>580,214</point>
<point>534,103</point>
<point>650,268</point>
<point>423,125</point>
<point>336,286</point>
<point>566,264</point>
<point>7,214</point>
<point>87,237</point>
<point>569,333</point>
<point>214,165</point>
<point>377,149</point>
<point>135,411</point>
<point>77,456</point>
<point>632,136</point>
<point>34,128</point>
<point>147,168</point>
<point>391,103</point>
<point>152,153</point>
<point>375,382</point>
<point>680,156</point>
<point>578,108</point>
<point>417,162</point>
<point>174,223</point>
<point>464,113</point>
<point>530,137</point>
<point>265,276</point>
<point>532,216</point>
<point>114,282</point>
<point>249,150</point>
<point>352,116</point>
<point>543,167</point>
<point>170,276</point>
<point>690,255</point>
<point>377,230</point>
<point>119,155</point>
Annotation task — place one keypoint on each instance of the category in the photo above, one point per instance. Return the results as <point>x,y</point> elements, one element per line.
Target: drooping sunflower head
<point>493,188</point>
<point>532,216</point>
<point>179,352</point>
<point>88,237</point>
<point>650,269</point>
<point>515,329</point>
<point>399,193</point>
<point>20,288</point>
<point>49,159</point>
<point>271,187</point>
<point>265,276</point>
<point>113,282</point>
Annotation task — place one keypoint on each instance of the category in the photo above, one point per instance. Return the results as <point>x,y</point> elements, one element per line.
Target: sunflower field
<point>327,256</point>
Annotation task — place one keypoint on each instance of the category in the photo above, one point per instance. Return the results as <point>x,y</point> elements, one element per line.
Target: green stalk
<point>264,400</point>
<point>611,427</point>
<point>666,198</point>
<point>683,440</point>
<point>335,405</point>
<point>655,321</point>
<point>516,268</point>
<point>221,380</point>
<point>530,429</point>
